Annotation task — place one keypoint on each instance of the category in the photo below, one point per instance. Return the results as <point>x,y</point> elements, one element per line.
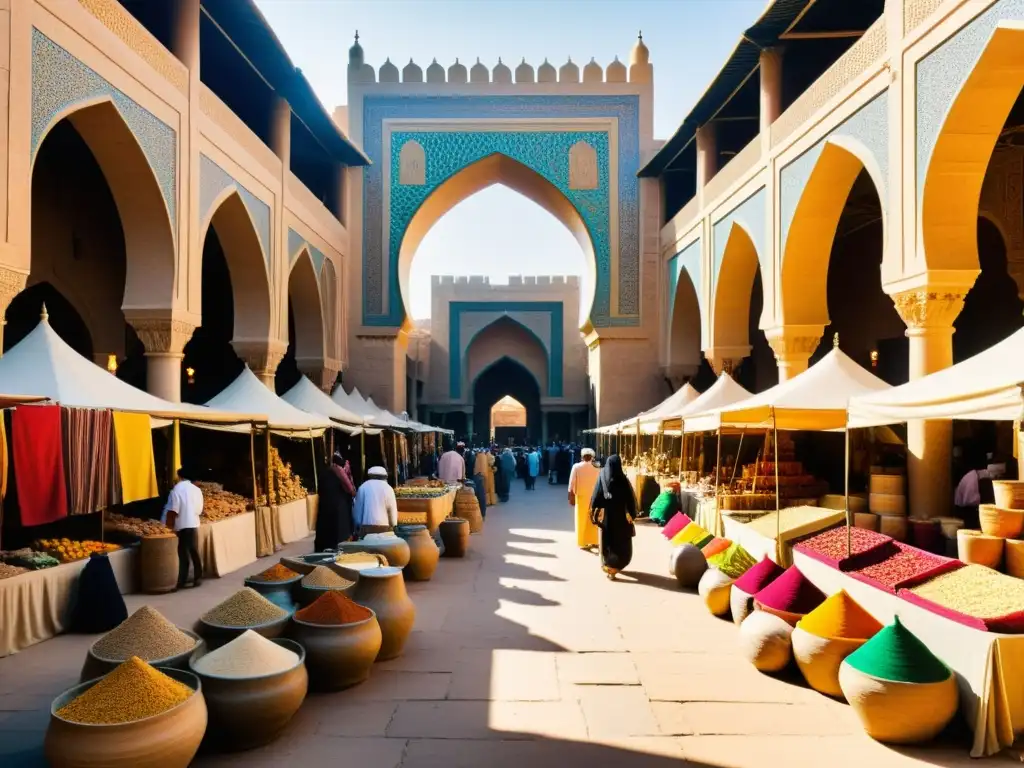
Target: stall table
<point>428,512</point>
<point>989,666</point>
<point>266,539</point>
<point>34,606</point>
<point>227,545</point>
<point>312,508</point>
<point>758,537</point>
<point>291,523</point>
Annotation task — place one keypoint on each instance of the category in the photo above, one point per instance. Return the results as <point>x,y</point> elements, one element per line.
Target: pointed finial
<point>477,59</point>
<point>570,59</point>
<point>616,57</point>
<point>456,59</point>
<point>357,35</point>
<point>835,341</point>
<point>499,59</point>
<point>387,60</point>
<point>44,315</point>
<point>435,60</point>
<point>640,35</point>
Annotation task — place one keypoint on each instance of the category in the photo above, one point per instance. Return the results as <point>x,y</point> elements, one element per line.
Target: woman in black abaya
<point>612,509</point>
<point>334,516</point>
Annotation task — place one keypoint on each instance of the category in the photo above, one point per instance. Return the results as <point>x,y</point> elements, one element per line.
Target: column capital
<point>323,373</point>
<point>726,359</point>
<point>164,336</point>
<point>793,346</point>
<point>12,283</point>
<point>262,357</point>
<point>679,373</point>
<point>924,309</point>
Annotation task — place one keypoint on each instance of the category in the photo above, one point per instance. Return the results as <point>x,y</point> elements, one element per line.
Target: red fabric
<point>675,525</point>
<point>39,464</point>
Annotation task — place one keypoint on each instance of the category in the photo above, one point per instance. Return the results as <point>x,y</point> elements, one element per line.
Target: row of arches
<point>103,250</point>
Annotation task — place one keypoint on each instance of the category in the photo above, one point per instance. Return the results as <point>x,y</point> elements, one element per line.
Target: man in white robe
<point>376,508</point>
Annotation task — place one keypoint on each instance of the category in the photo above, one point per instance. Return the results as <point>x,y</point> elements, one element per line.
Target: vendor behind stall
<point>181,514</point>
<point>376,508</point>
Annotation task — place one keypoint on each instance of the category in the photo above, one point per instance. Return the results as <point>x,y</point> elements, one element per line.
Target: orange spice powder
<point>332,607</point>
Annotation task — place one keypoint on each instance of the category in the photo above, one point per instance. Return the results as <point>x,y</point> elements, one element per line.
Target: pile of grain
<point>248,655</point>
<point>145,634</point>
<point>6,571</point>
<point>333,608</point>
<point>133,691</point>
<point>975,590</point>
<point>323,577</point>
<point>276,572</point>
<point>245,608</point>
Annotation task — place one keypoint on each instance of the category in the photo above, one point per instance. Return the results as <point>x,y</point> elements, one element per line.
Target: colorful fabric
<point>896,654</point>
<point>133,435</point>
<point>664,506</point>
<point>734,561</point>
<point>840,616</point>
<point>716,545</point>
<point>792,592</point>
<point>39,464</point>
<point>759,576</point>
<point>88,459</point>
<point>692,534</point>
<point>3,456</point>
<point>675,525</point>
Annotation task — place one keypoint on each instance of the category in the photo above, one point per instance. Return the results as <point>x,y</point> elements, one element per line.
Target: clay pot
<point>280,593</point>
<point>305,564</point>
<point>338,655</point>
<point>168,740</point>
<point>455,536</point>
<point>468,508</point>
<point>351,564</point>
<point>819,659</point>
<point>382,590</point>
<point>423,552</point>
<point>306,595</point>
<point>250,712</point>
<point>95,666</point>
<point>394,548</point>
<point>158,564</point>
<point>217,635</point>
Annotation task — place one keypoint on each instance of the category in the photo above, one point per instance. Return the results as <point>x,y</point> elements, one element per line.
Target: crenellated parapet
<point>639,71</point>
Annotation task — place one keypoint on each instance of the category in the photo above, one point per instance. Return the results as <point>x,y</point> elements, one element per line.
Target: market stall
<point>425,503</point>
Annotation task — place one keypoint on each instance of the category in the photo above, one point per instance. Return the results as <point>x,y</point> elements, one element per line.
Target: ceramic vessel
<point>96,666</point>
<point>280,593</point>
<point>338,655</point>
<point>896,712</point>
<point>217,635</point>
<point>423,552</point>
<point>394,548</point>
<point>819,659</point>
<point>741,604</point>
<point>158,564</point>
<point>765,639</point>
<point>455,536</point>
<point>306,595</point>
<point>305,564</point>
<point>351,564</point>
<point>382,590</point>
<point>714,589</point>
<point>168,740</point>
<point>250,712</point>
<point>468,508</point>
<point>687,564</point>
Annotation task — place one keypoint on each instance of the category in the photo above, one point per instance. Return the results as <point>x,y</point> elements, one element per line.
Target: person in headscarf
<point>612,510</point>
<point>506,471</point>
<point>481,468</point>
<point>532,468</point>
<point>492,495</point>
<point>334,514</point>
<point>563,465</point>
<point>582,480</point>
<point>376,508</point>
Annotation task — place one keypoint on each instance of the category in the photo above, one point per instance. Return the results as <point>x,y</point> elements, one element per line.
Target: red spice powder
<point>276,572</point>
<point>332,607</point>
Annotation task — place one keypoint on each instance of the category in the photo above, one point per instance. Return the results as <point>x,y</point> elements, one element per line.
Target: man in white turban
<point>582,480</point>
<point>376,508</point>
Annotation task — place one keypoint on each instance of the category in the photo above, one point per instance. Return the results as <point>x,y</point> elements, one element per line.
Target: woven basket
<point>950,525</point>
<point>979,549</point>
<point>893,526</point>
<point>888,503</point>
<point>867,520</point>
<point>468,508</point>
<point>858,503</point>
<point>999,521</point>
<point>1009,494</point>
<point>819,659</point>
<point>1015,558</point>
<point>893,485</point>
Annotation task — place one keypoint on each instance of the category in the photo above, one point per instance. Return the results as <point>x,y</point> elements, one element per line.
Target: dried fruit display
<point>135,526</point>
<point>219,504</point>
<point>285,485</point>
<point>420,491</point>
<point>26,557</point>
<point>67,551</point>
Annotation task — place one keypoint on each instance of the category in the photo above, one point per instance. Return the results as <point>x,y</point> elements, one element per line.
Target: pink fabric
<point>345,475</point>
<point>39,464</point>
<point>679,521</point>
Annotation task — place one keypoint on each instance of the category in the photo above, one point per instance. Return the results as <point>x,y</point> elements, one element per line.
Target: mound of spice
<point>831,546</point>
<point>145,634</point>
<point>248,655</point>
<point>909,564</point>
<point>333,608</point>
<point>975,590</point>
<point>245,608</point>
<point>133,691</point>
<point>276,572</point>
<point>323,577</point>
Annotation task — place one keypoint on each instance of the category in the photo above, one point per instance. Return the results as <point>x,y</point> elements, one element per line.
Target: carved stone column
<point>726,359</point>
<point>262,357</point>
<point>11,284</point>
<point>929,316</point>
<point>793,346</point>
<point>164,340</point>
<point>323,373</point>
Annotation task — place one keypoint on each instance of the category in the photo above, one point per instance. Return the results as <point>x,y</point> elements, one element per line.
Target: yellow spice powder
<point>133,691</point>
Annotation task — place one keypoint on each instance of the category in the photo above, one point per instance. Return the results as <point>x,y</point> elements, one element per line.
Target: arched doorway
<point>684,357</point>
<point>505,377</point>
<point>307,340</point>
<point>508,422</point>
<point>24,312</point>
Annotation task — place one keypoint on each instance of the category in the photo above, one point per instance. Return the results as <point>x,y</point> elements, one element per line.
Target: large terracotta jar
<point>394,548</point>
<point>468,508</point>
<point>423,552</point>
<point>455,536</point>
<point>382,590</point>
<point>338,655</point>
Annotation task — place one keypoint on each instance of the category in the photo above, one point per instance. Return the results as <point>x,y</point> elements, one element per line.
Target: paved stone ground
<point>524,654</point>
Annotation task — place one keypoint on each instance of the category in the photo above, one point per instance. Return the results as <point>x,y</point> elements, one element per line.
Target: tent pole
<point>312,450</point>
<point>362,455</point>
<point>778,503</point>
<point>718,472</point>
<point>270,474</point>
<point>252,457</point>
<point>846,489</point>
<point>736,463</point>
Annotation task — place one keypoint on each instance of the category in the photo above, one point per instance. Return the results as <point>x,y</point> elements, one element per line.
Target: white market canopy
<point>306,396</point>
<point>984,387</point>
<point>44,364</point>
<point>724,392</point>
<point>367,412</point>
<point>650,420</point>
<point>816,399</point>
<point>247,394</point>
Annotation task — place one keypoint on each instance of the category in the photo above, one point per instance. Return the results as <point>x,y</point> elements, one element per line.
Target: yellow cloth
<point>582,480</point>
<point>492,494</point>
<point>176,448</point>
<point>133,436</point>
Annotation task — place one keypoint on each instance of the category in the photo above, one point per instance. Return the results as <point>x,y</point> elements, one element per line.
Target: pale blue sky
<point>497,232</point>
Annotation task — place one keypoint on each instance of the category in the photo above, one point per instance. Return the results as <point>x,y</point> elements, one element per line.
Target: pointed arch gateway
<point>496,169</point>
<point>506,377</point>
<point>685,326</point>
<point>730,313</point>
<point>146,221</point>
<point>307,310</point>
<point>507,337</point>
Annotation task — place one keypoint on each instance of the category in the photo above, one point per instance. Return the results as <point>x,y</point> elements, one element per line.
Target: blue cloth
<point>480,487</point>
<point>533,460</point>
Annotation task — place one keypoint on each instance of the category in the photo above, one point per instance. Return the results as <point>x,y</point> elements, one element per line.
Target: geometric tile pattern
<point>213,180</point>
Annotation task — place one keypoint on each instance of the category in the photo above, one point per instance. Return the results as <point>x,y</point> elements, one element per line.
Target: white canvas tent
<point>306,396</point>
<point>987,387</point>
<point>44,364</point>
<point>816,399</point>
<point>650,420</point>
<point>724,392</point>
<point>370,413</point>
<point>247,393</point>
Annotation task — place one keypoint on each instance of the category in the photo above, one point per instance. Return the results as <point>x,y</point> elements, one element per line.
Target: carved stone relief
<point>582,166</point>
<point>412,164</point>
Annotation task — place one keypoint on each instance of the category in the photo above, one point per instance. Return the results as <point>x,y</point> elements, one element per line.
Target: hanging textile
<point>176,451</point>
<point>88,459</point>
<point>136,465</point>
<point>3,457</point>
<point>39,464</point>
